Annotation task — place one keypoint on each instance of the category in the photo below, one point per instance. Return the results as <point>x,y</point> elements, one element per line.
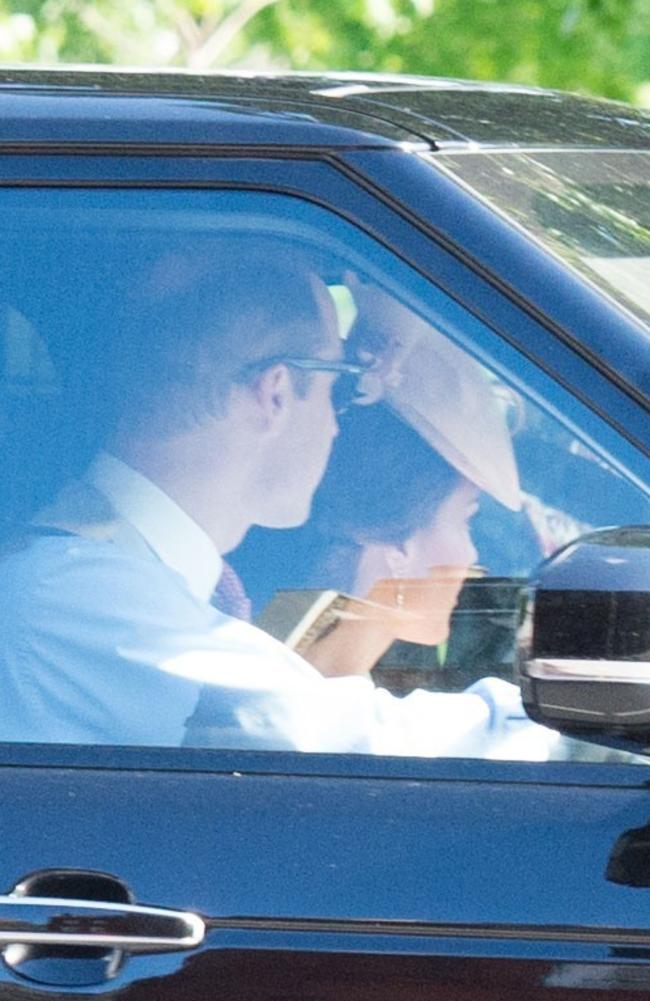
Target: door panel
<point>284,858</point>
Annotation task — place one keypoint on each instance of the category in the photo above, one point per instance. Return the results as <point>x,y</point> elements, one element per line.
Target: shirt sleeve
<point>265,696</point>
<point>104,647</point>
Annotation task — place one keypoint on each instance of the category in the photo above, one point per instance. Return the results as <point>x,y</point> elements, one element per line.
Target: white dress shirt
<point>106,641</point>
<point>174,537</point>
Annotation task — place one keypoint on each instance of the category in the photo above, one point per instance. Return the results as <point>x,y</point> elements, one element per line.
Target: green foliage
<point>594,46</point>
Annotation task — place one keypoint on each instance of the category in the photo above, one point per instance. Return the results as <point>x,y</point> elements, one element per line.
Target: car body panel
<point>39,118</point>
<point>321,874</point>
<point>498,118</point>
<point>394,108</point>
<point>462,846</point>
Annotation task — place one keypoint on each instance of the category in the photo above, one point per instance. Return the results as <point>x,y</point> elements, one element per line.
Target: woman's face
<point>446,540</point>
<point>433,566</point>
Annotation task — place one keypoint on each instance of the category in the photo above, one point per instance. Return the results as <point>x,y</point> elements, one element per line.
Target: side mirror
<point>584,646</point>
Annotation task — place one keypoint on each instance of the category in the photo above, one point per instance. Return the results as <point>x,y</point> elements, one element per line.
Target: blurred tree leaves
<point>594,46</point>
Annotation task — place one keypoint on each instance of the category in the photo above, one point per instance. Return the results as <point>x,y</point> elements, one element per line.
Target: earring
<point>399,592</point>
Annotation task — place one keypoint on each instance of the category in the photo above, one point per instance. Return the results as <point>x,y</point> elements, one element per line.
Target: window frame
<point>322,180</point>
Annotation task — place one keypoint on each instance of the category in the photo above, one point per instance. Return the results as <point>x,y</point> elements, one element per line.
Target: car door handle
<point>60,921</point>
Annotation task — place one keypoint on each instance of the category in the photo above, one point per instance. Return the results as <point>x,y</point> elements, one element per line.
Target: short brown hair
<point>193,323</point>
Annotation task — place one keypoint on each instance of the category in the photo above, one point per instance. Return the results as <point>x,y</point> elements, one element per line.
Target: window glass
<point>591,207</point>
<point>266,487</point>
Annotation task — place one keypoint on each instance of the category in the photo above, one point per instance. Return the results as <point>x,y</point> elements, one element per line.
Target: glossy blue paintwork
<point>469,845</point>
<point>421,850</point>
<point>91,119</point>
<point>441,112</point>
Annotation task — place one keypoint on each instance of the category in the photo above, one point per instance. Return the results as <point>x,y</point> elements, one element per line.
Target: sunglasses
<point>346,389</point>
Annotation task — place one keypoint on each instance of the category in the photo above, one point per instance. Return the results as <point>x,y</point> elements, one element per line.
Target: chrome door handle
<point>60,921</point>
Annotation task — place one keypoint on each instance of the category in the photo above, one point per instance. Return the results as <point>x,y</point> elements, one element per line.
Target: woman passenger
<point>390,522</point>
<point>395,532</point>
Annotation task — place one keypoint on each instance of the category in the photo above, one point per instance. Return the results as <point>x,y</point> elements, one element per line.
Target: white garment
<point>105,643</point>
<point>174,537</point>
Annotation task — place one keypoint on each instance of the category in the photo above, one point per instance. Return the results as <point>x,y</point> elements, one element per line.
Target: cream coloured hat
<point>443,393</point>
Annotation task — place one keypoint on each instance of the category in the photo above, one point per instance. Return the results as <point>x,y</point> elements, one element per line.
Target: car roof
<point>329,110</point>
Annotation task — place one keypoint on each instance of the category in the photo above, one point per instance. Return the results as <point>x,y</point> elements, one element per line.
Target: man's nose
<point>334,422</point>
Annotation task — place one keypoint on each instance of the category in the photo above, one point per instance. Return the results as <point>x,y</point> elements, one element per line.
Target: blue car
<point>325,539</point>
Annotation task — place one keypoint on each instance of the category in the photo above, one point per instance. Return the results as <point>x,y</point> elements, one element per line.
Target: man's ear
<point>273,392</point>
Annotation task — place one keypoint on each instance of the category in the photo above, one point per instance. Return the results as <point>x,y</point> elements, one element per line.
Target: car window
<point>589,207</point>
<point>266,487</point>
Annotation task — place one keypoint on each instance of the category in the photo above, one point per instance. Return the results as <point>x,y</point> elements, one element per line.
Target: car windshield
<point>590,207</point>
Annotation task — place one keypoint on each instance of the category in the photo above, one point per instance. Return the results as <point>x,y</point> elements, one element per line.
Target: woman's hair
<point>382,484</point>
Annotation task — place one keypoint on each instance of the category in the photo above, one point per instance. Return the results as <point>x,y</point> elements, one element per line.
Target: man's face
<point>303,452</point>
<point>310,439</point>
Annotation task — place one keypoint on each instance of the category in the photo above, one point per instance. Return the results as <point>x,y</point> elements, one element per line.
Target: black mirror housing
<point>584,646</point>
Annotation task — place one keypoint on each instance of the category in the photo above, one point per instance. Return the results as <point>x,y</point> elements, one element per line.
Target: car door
<point>201,873</point>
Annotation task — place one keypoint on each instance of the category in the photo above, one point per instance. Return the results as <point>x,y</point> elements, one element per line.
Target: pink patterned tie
<point>229,595</point>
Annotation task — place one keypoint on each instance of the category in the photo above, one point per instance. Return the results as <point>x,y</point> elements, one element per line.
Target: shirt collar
<point>174,537</point>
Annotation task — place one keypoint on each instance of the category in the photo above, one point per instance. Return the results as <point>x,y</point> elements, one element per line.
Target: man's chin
<point>286,519</point>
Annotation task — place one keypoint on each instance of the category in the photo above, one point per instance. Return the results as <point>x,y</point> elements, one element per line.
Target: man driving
<point>218,426</point>
<point>223,376</point>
